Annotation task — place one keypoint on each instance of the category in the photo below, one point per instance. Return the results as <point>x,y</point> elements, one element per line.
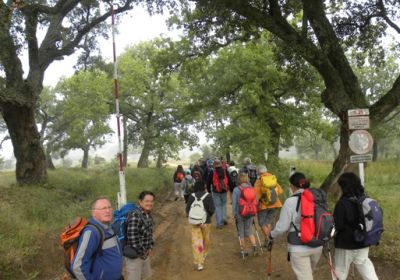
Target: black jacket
<point>207,202</point>
<point>346,220</point>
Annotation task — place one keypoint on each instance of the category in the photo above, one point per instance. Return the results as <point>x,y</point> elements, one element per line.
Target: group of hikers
<point>255,193</point>
<point>97,249</point>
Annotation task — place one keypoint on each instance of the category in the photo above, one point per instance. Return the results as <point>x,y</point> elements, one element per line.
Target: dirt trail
<point>172,257</point>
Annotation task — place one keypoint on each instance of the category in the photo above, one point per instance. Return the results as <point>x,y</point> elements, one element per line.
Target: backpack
<point>316,222</point>
<point>234,178</point>
<point>247,202</point>
<point>252,173</point>
<point>268,191</point>
<point>69,239</point>
<point>197,213</point>
<point>120,221</point>
<point>370,226</point>
<point>220,185</point>
<point>179,177</point>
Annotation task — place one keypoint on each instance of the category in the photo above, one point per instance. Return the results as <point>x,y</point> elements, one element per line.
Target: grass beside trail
<point>32,217</point>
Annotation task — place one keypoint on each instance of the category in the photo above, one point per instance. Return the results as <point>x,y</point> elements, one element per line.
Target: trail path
<point>172,257</point>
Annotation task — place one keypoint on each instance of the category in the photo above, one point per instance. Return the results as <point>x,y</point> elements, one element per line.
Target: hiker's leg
<point>146,269</point>
<point>177,187</point>
<point>364,265</point>
<point>206,229</point>
<point>197,245</point>
<point>315,256</point>
<point>218,208</point>
<point>224,200</point>
<point>301,265</point>
<point>134,268</point>
<point>343,259</point>
<point>182,190</point>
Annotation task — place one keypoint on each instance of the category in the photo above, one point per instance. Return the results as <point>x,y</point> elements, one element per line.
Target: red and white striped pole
<point>122,188</point>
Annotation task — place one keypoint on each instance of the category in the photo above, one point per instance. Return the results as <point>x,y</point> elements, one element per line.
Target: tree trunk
<point>144,156</point>
<point>275,132</point>
<point>49,161</point>
<point>125,141</point>
<point>85,160</point>
<point>375,151</point>
<point>228,156</point>
<point>160,161</point>
<point>25,137</point>
<point>342,162</point>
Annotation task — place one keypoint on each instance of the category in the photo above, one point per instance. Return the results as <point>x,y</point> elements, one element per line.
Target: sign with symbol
<point>360,142</point>
<point>357,112</point>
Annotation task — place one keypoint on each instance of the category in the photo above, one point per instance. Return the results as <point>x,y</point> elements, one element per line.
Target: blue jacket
<point>89,264</point>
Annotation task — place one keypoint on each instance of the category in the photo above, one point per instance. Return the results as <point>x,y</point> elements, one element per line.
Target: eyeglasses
<point>103,208</point>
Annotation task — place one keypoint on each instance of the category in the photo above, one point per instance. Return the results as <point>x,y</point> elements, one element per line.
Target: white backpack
<point>197,213</point>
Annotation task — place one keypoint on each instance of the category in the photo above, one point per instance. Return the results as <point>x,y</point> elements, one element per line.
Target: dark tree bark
<point>85,160</point>
<point>228,156</point>
<point>144,156</point>
<point>375,151</point>
<point>31,160</point>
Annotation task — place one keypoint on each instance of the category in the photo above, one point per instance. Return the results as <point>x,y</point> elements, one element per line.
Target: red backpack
<point>316,222</point>
<point>179,176</point>
<point>220,185</point>
<point>247,202</point>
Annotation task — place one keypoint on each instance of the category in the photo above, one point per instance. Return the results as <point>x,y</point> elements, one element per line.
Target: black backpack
<point>252,173</point>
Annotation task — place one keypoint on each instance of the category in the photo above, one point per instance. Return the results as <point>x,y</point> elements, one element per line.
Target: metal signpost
<point>360,141</point>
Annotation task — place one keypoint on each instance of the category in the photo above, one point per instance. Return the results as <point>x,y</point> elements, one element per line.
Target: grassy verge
<point>33,216</point>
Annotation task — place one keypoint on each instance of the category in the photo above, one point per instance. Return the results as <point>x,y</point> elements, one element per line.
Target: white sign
<point>360,142</point>
<point>360,122</point>
<point>360,158</point>
<point>358,112</point>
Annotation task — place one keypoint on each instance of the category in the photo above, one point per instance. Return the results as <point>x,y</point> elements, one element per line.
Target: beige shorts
<point>137,269</point>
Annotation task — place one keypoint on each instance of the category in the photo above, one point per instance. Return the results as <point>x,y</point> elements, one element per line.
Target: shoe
<point>225,223</point>
<point>176,198</point>
<point>200,267</point>
<point>244,254</point>
<point>220,227</point>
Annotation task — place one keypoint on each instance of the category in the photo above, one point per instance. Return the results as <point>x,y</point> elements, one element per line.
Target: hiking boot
<point>200,267</point>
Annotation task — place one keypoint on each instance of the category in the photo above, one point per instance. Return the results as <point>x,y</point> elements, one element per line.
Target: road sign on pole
<point>360,142</point>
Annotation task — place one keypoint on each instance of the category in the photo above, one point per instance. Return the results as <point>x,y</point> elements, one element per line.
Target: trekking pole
<point>333,272</point>
<point>269,266</point>
<point>258,237</point>
<point>240,241</point>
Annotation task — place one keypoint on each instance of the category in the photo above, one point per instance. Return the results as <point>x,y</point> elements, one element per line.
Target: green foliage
<point>33,217</point>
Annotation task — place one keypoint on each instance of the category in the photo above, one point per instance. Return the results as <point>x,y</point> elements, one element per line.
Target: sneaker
<point>200,267</point>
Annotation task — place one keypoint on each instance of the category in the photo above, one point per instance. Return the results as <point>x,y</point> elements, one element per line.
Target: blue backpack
<point>370,227</point>
<point>120,218</point>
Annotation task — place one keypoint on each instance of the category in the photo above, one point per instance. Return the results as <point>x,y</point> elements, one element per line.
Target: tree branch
<point>384,15</point>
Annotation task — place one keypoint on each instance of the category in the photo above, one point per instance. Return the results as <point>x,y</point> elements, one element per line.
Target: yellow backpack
<point>268,192</point>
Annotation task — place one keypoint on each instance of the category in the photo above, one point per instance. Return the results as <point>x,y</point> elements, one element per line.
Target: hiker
<point>347,250</point>
<point>233,178</point>
<point>250,169</point>
<point>303,258</point>
<point>179,176</point>
<point>218,184</point>
<point>188,183</point>
<point>139,236</point>
<point>201,232</point>
<point>244,224</point>
<point>90,262</point>
<point>268,191</point>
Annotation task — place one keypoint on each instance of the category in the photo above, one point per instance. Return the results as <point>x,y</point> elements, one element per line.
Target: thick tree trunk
<point>144,156</point>
<point>273,153</point>
<point>85,160</point>
<point>125,141</point>
<point>25,137</point>
<point>49,161</point>
<point>160,161</point>
<point>228,156</point>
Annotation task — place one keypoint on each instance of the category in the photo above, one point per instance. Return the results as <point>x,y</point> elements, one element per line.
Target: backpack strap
<point>204,196</point>
<point>297,210</point>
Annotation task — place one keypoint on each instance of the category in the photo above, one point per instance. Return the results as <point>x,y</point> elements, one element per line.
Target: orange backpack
<point>69,239</point>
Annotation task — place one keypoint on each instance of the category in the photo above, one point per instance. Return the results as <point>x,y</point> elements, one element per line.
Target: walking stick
<point>333,272</point>
<point>269,266</point>
<point>258,237</point>
<point>240,241</point>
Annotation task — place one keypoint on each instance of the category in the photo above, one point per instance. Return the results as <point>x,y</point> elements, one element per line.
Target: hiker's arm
<point>235,198</point>
<point>210,205</point>
<point>87,247</point>
<point>133,234</point>
<point>339,216</point>
<point>285,218</point>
